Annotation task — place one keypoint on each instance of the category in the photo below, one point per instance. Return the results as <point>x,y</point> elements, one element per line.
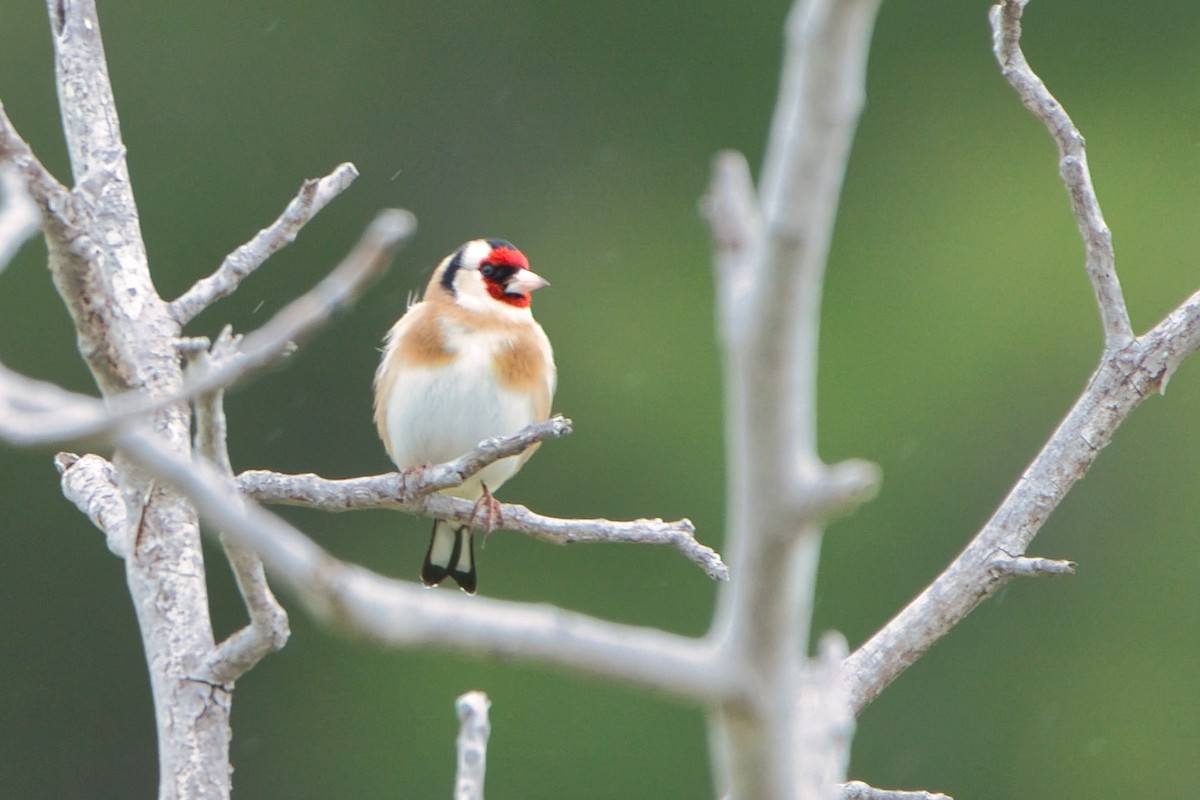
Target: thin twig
<point>359,269</point>
<point>313,196</point>
<point>1073,167</point>
<point>473,732</point>
<point>393,489</point>
<point>267,630</point>
<point>454,473</point>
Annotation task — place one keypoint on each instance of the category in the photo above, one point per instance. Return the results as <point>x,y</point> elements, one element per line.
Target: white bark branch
<point>1100,261</point>
<point>43,414</point>
<point>824,723</point>
<point>50,196</point>
<point>400,613</point>
<point>414,491</point>
<point>1026,567</point>
<point>90,482</point>
<point>313,196</point>
<point>97,260</point>
<point>1122,381</point>
<point>267,630</point>
<point>1130,371</point>
<point>771,250</point>
<point>19,215</point>
<point>857,790</point>
<point>473,732</point>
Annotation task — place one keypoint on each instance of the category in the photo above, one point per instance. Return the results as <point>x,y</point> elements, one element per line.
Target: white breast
<point>436,414</point>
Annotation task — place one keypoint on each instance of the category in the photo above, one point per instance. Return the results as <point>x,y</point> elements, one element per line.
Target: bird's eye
<point>488,271</point>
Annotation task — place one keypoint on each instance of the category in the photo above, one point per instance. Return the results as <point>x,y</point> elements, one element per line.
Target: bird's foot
<point>488,508</point>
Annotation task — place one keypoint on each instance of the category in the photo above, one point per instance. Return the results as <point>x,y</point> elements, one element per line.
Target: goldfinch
<point>466,363</point>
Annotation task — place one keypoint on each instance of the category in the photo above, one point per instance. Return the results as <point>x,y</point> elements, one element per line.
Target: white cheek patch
<point>471,293</point>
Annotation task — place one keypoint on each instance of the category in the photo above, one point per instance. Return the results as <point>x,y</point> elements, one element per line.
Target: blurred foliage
<point>958,327</point>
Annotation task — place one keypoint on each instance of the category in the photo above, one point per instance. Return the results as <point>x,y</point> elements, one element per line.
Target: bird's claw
<point>487,507</point>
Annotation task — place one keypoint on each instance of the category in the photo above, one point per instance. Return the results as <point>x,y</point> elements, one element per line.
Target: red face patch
<point>496,290</point>
<point>508,260</point>
<point>507,257</point>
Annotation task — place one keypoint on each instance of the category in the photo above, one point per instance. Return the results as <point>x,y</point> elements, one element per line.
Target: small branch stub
<point>857,790</point>
<point>1024,566</point>
<point>90,483</point>
<point>474,730</point>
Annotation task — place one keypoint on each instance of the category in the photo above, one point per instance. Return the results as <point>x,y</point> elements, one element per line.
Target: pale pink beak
<point>525,281</point>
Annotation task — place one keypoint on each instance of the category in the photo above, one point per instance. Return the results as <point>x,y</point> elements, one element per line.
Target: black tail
<point>451,552</point>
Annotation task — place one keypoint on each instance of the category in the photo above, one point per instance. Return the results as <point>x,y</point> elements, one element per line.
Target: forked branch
<point>313,196</point>
<point>1132,370</point>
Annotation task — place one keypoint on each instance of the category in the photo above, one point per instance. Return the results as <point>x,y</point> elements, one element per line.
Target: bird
<point>465,363</point>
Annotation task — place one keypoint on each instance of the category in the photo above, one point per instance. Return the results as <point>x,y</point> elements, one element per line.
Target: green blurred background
<point>958,327</point>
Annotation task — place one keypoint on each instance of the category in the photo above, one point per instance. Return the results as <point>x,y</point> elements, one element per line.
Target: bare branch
<point>394,489</point>
<point>34,412</point>
<point>413,491</point>
<point>1073,167</point>
<point>771,254</point>
<point>360,268</point>
<point>857,790</point>
<point>453,473</point>
<point>51,197</point>
<point>1124,378</point>
<point>474,729</point>
<point>313,196</point>
<point>1177,336</point>
<point>399,613</point>
<point>1122,381</point>
<point>41,413</point>
<point>268,628</point>
<point>90,483</point>
<point>20,218</point>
